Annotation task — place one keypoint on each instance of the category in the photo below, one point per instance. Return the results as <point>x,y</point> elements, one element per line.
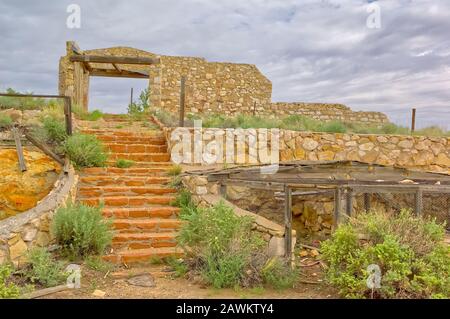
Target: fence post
<point>68,115</point>
<point>349,202</point>
<point>367,202</point>
<point>288,222</point>
<point>337,205</point>
<point>19,149</point>
<point>418,202</point>
<point>413,120</point>
<point>182,100</point>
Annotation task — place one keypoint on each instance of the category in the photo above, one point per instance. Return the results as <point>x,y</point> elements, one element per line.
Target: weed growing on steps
<point>124,163</point>
<point>223,249</point>
<point>85,151</point>
<point>81,231</point>
<point>85,115</point>
<point>175,170</point>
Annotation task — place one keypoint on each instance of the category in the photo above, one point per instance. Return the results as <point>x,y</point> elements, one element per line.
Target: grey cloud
<point>312,50</point>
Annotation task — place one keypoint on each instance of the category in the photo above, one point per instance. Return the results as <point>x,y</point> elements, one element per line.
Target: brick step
<point>127,241</point>
<point>145,157</point>
<point>144,212</point>
<point>136,148</point>
<point>137,164</point>
<point>129,201</point>
<point>143,255</point>
<point>132,139</point>
<point>109,191</point>
<point>132,171</point>
<point>123,133</point>
<point>123,180</point>
<point>128,225</point>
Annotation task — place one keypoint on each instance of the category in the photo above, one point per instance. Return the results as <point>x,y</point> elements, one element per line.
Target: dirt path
<point>115,285</point>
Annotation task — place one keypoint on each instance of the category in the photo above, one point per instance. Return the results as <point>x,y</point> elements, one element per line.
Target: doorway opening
<point>113,95</point>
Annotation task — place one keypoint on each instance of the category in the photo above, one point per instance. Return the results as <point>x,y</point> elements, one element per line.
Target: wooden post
<point>68,115</point>
<point>418,202</point>
<point>349,202</point>
<point>223,190</point>
<point>182,100</point>
<point>131,97</point>
<point>288,222</point>
<point>413,120</point>
<point>19,149</point>
<point>337,205</point>
<point>43,148</point>
<point>367,202</point>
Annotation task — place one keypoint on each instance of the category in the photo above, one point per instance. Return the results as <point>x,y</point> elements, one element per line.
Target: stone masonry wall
<point>413,152</point>
<point>32,228</point>
<point>211,87</point>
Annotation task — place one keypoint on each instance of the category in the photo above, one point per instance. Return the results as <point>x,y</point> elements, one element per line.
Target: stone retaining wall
<point>207,194</point>
<point>32,228</point>
<point>412,152</point>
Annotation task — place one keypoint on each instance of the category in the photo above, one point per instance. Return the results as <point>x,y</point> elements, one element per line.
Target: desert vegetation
<point>223,251</point>
<point>294,123</point>
<point>82,235</point>
<point>412,259</point>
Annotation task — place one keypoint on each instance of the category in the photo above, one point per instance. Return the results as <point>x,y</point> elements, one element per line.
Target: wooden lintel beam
<point>116,67</point>
<point>116,74</point>
<point>114,59</point>
<point>87,66</point>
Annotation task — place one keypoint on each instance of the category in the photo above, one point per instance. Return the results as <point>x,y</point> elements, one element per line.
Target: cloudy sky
<point>311,50</point>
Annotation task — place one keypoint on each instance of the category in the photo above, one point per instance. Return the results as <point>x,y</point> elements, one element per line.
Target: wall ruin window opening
<point>112,95</point>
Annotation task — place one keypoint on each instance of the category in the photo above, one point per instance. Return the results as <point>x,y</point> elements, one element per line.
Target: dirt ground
<point>114,284</point>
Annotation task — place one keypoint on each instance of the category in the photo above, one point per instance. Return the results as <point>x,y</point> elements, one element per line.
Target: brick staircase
<point>137,198</point>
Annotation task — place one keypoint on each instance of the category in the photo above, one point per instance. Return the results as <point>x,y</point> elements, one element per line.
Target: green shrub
<point>43,269</point>
<point>168,119</point>
<point>85,115</point>
<point>175,170</point>
<point>178,265</point>
<point>7,289</point>
<point>81,230</point>
<point>334,127</point>
<point>409,251</point>
<point>431,131</point>
<point>55,130</point>
<point>279,274</point>
<point>124,163</point>
<point>85,150</point>
<point>184,201</point>
<point>225,250</point>
<point>5,121</point>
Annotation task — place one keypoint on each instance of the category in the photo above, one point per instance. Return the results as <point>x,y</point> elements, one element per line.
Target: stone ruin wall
<point>211,87</point>
<point>413,152</point>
